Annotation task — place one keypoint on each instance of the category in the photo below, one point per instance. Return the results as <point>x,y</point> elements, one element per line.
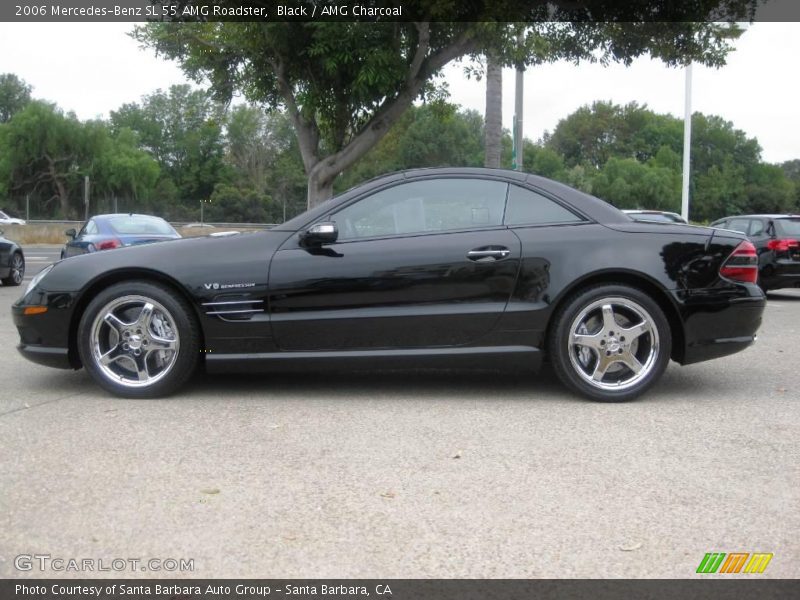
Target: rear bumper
<point>781,274</point>
<point>719,330</point>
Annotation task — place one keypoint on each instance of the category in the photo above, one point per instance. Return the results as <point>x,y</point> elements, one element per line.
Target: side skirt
<point>482,357</point>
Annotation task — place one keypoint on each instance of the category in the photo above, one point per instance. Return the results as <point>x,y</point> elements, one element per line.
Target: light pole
<point>518,109</point>
<point>687,144</point>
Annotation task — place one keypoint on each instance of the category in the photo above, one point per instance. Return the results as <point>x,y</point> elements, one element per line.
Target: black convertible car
<point>12,262</point>
<point>431,267</point>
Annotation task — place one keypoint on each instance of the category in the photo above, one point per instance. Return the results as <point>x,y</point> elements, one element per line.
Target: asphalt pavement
<point>412,474</point>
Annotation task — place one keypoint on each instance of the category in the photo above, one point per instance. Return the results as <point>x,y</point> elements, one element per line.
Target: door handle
<point>488,253</point>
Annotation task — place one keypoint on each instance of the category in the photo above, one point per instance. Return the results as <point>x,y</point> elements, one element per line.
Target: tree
<point>593,134</point>
<point>494,110</point>
<point>344,84</point>
<point>431,135</point>
<point>14,96</point>
<point>43,151</point>
<point>125,172</point>
<point>183,129</point>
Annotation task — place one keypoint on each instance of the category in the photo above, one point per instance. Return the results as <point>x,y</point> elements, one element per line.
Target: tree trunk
<point>320,188</point>
<point>493,120</point>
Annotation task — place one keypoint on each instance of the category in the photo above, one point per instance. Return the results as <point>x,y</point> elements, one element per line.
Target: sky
<point>93,68</point>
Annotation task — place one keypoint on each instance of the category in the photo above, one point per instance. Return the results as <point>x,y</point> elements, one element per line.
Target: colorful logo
<point>714,562</point>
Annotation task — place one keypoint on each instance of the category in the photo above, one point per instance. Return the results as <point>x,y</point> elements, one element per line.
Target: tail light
<point>782,245</point>
<point>108,244</point>
<point>742,264</point>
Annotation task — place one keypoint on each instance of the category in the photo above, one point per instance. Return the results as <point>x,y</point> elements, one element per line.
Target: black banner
<point>399,10</point>
<point>398,589</point>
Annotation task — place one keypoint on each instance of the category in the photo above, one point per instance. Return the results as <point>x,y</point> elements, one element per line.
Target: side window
<point>756,227</point>
<point>424,206</point>
<point>740,225</point>
<point>89,229</point>
<point>529,208</point>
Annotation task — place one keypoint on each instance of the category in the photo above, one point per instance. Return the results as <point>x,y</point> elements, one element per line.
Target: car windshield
<point>788,227</point>
<point>133,225</point>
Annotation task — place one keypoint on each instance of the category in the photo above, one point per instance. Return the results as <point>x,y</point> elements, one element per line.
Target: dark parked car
<point>431,267</point>
<point>106,232</point>
<point>658,216</point>
<point>12,262</point>
<point>777,242</point>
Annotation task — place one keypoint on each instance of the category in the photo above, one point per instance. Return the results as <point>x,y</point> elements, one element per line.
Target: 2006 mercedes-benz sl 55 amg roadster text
<point>424,268</point>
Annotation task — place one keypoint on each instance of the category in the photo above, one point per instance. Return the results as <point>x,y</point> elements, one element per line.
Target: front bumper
<point>44,338</point>
<point>43,355</point>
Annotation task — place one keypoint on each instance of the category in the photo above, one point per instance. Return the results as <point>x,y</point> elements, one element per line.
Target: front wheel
<point>139,340</point>
<point>610,343</point>
<point>16,271</point>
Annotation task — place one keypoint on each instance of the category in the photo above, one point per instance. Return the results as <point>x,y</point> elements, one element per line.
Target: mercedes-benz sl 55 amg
<point>424,268</point>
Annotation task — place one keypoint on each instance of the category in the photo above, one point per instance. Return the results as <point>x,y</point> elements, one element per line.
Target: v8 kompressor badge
<point>227,286</point>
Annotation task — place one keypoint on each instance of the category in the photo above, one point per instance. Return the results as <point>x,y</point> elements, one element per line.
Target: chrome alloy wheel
<point>134,341</point>
<point>17,269</point>
<point>613,343</point>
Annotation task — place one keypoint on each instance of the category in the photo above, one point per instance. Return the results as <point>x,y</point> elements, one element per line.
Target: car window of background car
<point>89,229</point>
<point>740,225</point>
<point>787,228</point>
<point>424,206</point>
<point>526,207</point>
<point>133,225</point>
<point>756,227</point>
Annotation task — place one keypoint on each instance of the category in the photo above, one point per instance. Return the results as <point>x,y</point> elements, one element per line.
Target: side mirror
<point>71,233</point>
<point>320,234</point>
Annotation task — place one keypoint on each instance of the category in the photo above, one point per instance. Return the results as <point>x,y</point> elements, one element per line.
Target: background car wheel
<point>139,340</point>
<point>610,343</point>
<point>761,284</point>
<point>17,271</point>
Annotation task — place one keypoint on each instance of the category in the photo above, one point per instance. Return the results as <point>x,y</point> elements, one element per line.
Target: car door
<point>421,263</point>
<point>759,234</point>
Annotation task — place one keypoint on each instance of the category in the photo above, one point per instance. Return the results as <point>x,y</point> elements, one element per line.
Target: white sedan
<point>9,220</point>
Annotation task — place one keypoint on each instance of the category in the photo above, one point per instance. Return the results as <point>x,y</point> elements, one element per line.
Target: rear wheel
<point>139,340</point>
<point>610,343</point>
<point>16,271</point>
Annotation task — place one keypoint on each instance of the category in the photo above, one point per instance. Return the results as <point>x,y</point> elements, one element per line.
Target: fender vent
<point>233,310</point>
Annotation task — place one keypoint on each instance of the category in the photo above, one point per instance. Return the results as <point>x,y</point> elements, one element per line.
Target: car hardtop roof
<point>109,215</point>
<point>595,208</point>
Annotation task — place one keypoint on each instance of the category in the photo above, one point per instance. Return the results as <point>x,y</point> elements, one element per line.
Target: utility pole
<point>687,144</point>
<point>86,197</point>
<point>518,109</point>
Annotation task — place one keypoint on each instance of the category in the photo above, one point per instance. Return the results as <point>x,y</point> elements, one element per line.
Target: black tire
<point>16,272</point>
<point>150,354</point>
<point>584,344</point>
<point>764,288</point>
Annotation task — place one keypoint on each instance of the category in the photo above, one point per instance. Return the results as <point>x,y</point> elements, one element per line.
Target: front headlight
<point>39,276</point>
